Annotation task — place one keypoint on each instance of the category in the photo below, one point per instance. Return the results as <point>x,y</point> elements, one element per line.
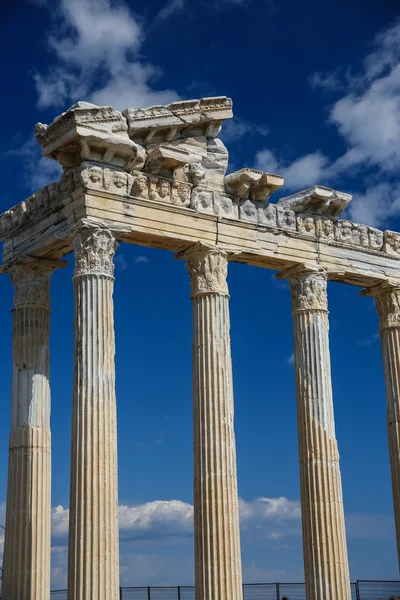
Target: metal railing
<point>362,589</point>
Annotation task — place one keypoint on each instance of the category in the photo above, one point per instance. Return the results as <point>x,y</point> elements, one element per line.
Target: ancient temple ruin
<point>157,177</point>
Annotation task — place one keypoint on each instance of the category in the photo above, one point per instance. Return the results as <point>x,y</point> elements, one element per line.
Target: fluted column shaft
<point>93,559</point>
<point>388,306</point>
<point>324,539</point>
<point>27,536</point>
<point>218,571</point>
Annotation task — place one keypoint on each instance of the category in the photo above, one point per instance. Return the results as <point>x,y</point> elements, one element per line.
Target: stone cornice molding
<point>308,285</point>
<point>387,297</point>
<point>94,251</point>
<point>31,279</point>
<point>208,269</point>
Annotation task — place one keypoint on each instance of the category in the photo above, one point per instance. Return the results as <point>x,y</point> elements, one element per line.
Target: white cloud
<point>121,261</point>
<point>38,171</point>
<point>290,359</point>
<point>377,204</point>
<point>169,9</point>
<point>326,81</point>
<point>156,547</point>
<point>305,171</point>
<point>95,46</point>
<point>234,129</point>
<point>140,260</point>
<point>367,118</point>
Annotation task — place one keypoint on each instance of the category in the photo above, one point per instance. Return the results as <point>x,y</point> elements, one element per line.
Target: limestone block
<point>317,200</point>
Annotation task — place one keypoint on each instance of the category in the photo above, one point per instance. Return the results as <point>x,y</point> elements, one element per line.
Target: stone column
<point>218,572</point>
<point>93,559</point>
<point>27,535</point>
<point>324,539</point>
<point>387,299</point>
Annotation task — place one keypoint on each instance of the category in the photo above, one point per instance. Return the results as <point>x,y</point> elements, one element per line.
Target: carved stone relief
<point>248,210</point>
<point>286,218</point>
<point>202,200</point>
<point>306,224</point>
<point>391,243</point>
<point>267,215</point>
<point>226,206</point>
<point>181,193</point>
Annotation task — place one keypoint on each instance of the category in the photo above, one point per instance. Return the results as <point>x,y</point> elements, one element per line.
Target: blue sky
<point>316,98</point>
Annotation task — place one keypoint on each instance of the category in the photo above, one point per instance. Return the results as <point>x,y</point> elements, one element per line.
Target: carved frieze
<point>267,215</point>
<point>202,200</point>
<point>248,210</point>
<point>226,206</point>
<point>286,218</point>
<point>325,229</point>
<point>181,193</point>
<point>306,224</point>
<point>160,189</point>
<point>140,186</point>
<point>391,243</point>
<point>94,252</point>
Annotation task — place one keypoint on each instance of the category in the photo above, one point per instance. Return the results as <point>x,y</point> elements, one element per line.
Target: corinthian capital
<point>308,287</point>
<point>94,251</point>
<point>208,268</point>
<point>31,280</point>
<point>387,298</point>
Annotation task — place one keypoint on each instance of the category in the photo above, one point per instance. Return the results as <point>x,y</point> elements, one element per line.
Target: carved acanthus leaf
<point>208,268</point>
<point>31,279</point>
<point>94,252</point>
<point>387,304</point>
<point>309,290</point>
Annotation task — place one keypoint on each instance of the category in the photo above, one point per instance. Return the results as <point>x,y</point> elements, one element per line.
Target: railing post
<point>278,595</point>
<point>358,596</point>
<point>120,593</point>
<point>179,592</point>
<point>148,593</point>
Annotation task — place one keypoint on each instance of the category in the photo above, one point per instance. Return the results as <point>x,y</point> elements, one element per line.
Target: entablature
<point>171,189</point>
